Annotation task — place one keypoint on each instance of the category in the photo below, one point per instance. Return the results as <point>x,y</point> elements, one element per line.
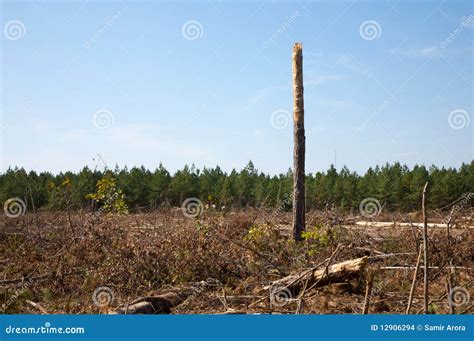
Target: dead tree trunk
<point>299,144</point>
<point>425,251</point>
<point>336,273</point>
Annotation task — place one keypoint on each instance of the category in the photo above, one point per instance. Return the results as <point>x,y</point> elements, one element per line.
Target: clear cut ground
<point>221,262</point>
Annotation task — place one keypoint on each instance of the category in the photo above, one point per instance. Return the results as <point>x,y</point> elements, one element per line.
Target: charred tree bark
<point>299,144</point>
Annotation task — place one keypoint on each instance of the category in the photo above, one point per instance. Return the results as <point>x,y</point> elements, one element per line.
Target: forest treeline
<point>395,186</point>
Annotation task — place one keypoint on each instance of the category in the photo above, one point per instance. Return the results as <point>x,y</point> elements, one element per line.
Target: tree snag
<point>425,250</point>
<point>299,144</point>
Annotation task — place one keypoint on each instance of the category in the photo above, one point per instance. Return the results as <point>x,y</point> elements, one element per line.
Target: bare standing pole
<point>425,251</point>
<point>413,282</point>
<point>368,289</point>
<point>299,144</point>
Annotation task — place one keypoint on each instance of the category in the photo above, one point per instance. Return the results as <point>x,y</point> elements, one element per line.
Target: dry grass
<point>58,262</point>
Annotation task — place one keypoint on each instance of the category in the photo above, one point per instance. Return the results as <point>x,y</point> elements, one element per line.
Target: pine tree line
<point>396,187</point>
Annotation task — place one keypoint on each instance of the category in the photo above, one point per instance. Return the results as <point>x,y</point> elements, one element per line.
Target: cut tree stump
<point>336,273</point>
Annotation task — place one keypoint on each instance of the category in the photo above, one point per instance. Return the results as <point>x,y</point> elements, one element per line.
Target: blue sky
<point>209,83</point>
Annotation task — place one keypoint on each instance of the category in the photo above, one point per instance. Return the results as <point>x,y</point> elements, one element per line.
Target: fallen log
<point>336,273</point>
<point>163,303</point>
<point>411,267</point>
<point>389,224</point>
<point>160,304</point>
